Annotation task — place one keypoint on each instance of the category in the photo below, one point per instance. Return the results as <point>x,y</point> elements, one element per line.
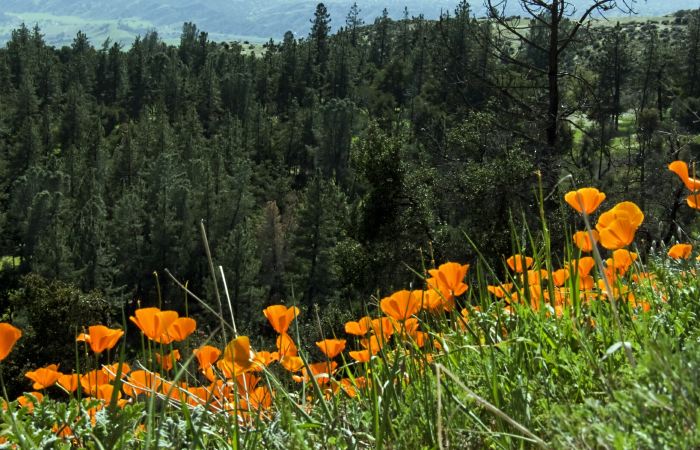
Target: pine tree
<point>353,22</point>
<point>81,64</point>
<point>287,71</point>
<point>272,245</point>
<point>320,30</point>
<point>21,55</point>
<point>127,233</point>
<point>112,81</point>
<point>381,40</point>
<point>333,154</point>
<point>692,57</point>
<point>208,97</point>
<point>137,78</point>
<point>318,231</point>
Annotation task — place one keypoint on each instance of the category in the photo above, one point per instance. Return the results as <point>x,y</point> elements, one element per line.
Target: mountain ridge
<point>60,20</point>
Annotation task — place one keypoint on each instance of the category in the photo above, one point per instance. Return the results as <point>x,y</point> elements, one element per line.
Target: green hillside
<point>238,20</point>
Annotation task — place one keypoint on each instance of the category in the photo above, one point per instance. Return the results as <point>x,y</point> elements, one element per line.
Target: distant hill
<point>122,20</point>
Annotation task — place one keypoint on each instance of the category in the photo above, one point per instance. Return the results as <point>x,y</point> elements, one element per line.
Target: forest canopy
<point>324,167</point>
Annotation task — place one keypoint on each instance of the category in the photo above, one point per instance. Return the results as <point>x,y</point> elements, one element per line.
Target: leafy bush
<point>50,313</point>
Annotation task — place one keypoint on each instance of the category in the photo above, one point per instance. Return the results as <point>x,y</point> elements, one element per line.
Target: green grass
<point>594,373</point>
<point>626,124</point>
<point>563,380</point>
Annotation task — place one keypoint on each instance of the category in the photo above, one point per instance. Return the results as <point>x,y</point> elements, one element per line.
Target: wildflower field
<point>586,347</point>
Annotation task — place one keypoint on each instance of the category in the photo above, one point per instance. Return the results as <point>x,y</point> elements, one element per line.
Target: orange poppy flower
<point>27,402</point>
<point>641,305</point>
<point>585,199</point>
<point>100,338</point>
<point>209,373</point>
<point>91,380</point>
<point>400,305</point>
<point>518,263</point>
<point>220,389</point>
<point>535,294</point>
<point>168,361</point>
<point>44,377</point>
<point>618,291</point>
<point>265,358</point>
<point>280,317</point>
<point>238,353</point>
<point>449,279</point>
<point>359,328</point>
<point>104,392</point>
<point>322,372</point>
<point>197,395</point>
<point>153,322</point>
<point>558,311</point>
<point>622,260</point>
<point>586,283</point>
<point>286,345</point>
<point>8,337</point>
<point>179,330</point>
<point>346,385</point>
<point>610,274</point>
<point>643,277</point>
<point>206,356</point>
<point>112,369</point>
<point>500,291</point>
<point>382,326</point>
<point>69,382</point>
<point>410,329</point>
<point>292,363</point>
<point>680,168</point>
<point>171,390</point>
<point>559,277</point>
<point>141,381</point>
<point>246,382</point>
<point>680,251</point>
<point>533,277</point>
<point>433,300</point>
<point>361,355</point>
<point>331,347</point>
<point>582,240</point>
<point>583,266</point>
<point>618,225</point>
<point>562,296</point>
<point>373,344</point>
<point>260,398</point>
<point>465,319</point>
<point>693,201</point>
<point>228,369</point>
<point>63,431</point>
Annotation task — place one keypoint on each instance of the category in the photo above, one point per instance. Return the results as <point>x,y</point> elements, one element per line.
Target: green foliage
<point>51,313</point>
<point>564,379</point>
<point>656,406</point>
<point>111,156</point>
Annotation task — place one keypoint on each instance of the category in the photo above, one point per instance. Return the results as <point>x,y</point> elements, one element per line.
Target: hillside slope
<point>223,19</point>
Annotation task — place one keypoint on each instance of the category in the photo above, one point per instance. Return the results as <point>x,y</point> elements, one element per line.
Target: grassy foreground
<point>590,349</point>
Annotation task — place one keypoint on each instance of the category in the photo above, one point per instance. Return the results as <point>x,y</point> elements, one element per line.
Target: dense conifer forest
<point>327,169</point>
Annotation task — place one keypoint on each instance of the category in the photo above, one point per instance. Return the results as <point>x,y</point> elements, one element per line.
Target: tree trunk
<point>548,161</point>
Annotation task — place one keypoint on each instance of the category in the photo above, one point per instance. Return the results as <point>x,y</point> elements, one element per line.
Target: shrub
<point>50,314</point>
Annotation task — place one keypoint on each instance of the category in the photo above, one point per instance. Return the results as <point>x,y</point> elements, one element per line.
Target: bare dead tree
<point>562,23</point>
